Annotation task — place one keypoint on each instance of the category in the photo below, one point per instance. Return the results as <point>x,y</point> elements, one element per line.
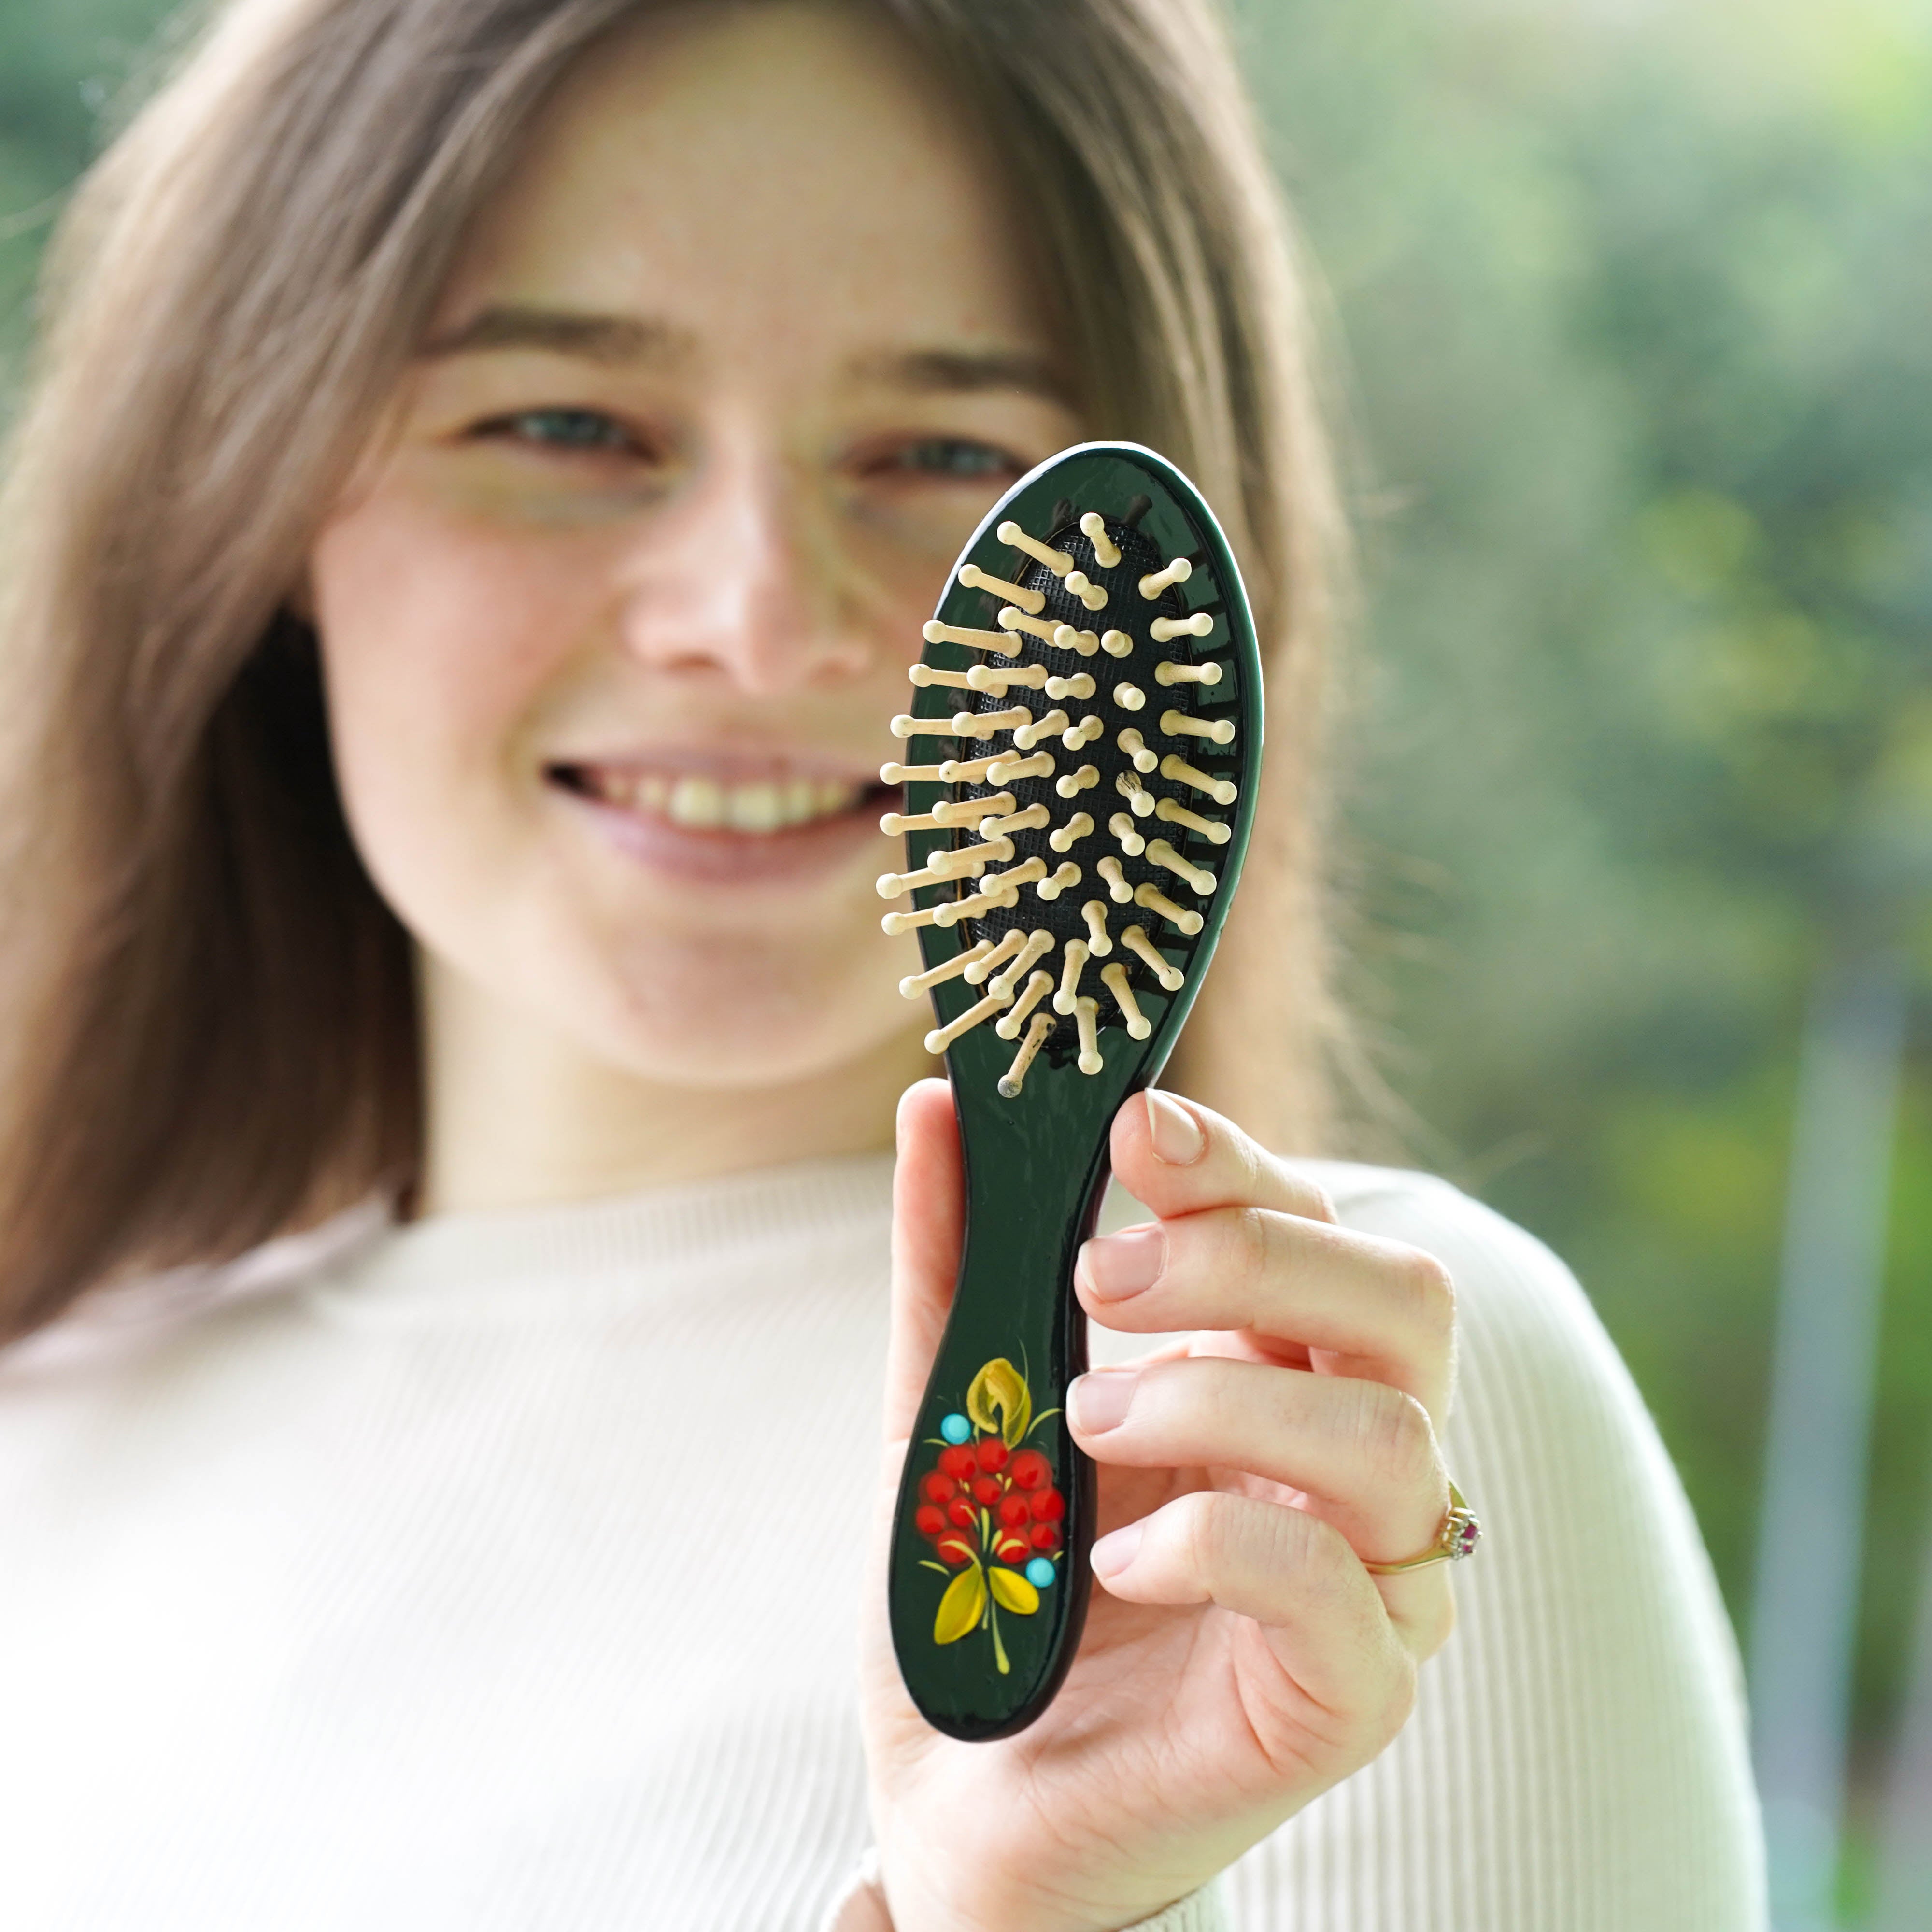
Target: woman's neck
<point>519,1116</point>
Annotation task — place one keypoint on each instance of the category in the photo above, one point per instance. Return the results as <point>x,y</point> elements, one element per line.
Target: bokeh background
<point>1633,310</point>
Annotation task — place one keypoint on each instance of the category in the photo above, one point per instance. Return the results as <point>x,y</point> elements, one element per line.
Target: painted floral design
<point>990,1510</point>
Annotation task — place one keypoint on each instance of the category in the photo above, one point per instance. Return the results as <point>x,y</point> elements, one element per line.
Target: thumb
<point>929,1213</point>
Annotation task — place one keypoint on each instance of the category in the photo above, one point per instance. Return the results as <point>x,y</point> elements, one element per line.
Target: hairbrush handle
<point>995,1498</point>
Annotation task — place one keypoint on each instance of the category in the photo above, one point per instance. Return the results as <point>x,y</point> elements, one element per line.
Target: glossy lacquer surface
<point>985,1630</point>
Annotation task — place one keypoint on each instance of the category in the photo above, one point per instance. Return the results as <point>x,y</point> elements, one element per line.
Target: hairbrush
<point>1088,718</point>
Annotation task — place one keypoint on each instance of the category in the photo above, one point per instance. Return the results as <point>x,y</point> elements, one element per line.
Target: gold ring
<point>1458,1536</point>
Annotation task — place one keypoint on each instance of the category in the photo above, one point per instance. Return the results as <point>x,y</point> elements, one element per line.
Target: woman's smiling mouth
<point>719,825</point>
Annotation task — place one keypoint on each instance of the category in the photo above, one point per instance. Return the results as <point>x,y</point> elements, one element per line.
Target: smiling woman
<point>491,464</point>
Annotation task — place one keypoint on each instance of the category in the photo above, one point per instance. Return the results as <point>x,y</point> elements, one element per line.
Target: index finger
<point>1177,1157</point>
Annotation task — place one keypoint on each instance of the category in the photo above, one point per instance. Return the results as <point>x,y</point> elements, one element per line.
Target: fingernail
<point>1177,1136</point>
<point>1116,1550</point>
<point>1115,1266</point>
<point>1101,1397</point>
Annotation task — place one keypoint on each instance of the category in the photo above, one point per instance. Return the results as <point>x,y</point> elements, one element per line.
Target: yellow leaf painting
<point>1011,1591</point>
<point>998,1401</point>
<point>961,1606</point>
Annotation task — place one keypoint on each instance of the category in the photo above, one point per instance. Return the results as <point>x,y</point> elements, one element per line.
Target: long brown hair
<point>210,1032</point>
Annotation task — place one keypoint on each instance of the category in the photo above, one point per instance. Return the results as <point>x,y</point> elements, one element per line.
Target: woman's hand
<point>1238,1660</point>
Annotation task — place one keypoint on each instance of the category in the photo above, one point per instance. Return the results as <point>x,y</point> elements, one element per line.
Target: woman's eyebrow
<point>624,339</point>
<point>964,372</point>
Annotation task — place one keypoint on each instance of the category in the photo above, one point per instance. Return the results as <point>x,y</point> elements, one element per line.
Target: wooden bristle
<point>1058,561</point>
<point>1131,842</point>
<point>937,633</point>
<point>1089,731</point>
<point>1017,876</point>
<point>1139,800</point>
<point>1076,782</point>
<point>1117,644</point>
<point>1028,736</point>
<point>1014,1079</point>
<point>1161,854</point>
<point>1166,629</point>
<point>952,911</point>
<point>1128,697</point>
<point>1010,771</point>
<point>941,1038</point>
<point>1136,941</point>
<point>1114,978</point>
<point>1118,890</point>
<point>1064,879</point>
<point>1220,789</point>
<point>1012,618</point>
<point>914,984</point>
<point>1086,1017</point>
<point>1155,900</point>
<point>924,676</point>
<point>1037,988</point>
<point>1093,526</point>
<point>1065,837</point>
<point>1169,813</point>
<point>1030,820</point>
<point>998,680</point>
<point>1068,639</point>
<point>987,964</point>
<point>1131,742</point>
<point>1071,964</point>
<point>1155,581</point>
<point>1091,594</point>
<point>1166,674</point>
<point>1179,724</point>
<point>1031,601</point>
<point>967,771</point>
<point>985,723</point>
<point>905,727</point>
<point>1036,946</point>
<point>1080,684</point>
<point>1095,913</point>
<point>894,923</point>
<point>891,773</point>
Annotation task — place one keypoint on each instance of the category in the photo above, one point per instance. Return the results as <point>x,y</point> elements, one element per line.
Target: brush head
<point>1088,711</point>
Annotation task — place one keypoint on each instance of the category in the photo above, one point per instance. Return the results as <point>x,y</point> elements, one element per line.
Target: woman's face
<point>615,614</point>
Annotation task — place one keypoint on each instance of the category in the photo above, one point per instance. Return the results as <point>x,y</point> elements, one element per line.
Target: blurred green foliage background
<point>1634,304</point>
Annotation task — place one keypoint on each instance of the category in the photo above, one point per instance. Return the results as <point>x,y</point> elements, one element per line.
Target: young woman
<point>489,463</point>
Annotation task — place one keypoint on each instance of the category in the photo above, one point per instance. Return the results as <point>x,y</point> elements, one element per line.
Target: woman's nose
<point>742,578</point>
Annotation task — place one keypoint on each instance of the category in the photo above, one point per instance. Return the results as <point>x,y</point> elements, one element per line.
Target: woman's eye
<point>952,457</point>
<point>563,429</point>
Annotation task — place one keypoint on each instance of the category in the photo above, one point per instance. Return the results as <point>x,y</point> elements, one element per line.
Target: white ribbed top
<point>500,1573</point>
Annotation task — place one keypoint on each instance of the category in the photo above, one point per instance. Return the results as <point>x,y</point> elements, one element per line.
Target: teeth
<point>704,804</point>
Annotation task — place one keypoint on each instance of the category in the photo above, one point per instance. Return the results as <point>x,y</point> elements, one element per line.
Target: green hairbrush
<point>1089,704</point>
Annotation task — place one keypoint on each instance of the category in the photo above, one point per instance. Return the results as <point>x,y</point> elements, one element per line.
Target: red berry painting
<point>989,1509</point>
